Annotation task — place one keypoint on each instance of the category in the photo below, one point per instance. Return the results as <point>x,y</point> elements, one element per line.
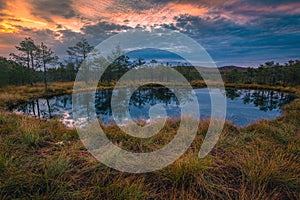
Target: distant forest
<point>37,63</point>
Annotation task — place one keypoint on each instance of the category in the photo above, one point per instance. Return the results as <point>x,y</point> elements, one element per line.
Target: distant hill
<point>226,69</point>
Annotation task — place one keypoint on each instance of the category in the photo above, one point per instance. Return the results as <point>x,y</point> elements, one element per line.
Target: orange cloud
<point>18,14</point>
<point>187,9</point>
<point>6,28</point>
<point>131,17</point>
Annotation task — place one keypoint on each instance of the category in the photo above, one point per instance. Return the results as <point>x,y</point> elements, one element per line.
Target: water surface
<point>243,106</point>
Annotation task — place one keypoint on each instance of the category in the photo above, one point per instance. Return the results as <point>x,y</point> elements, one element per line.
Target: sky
<point>234,32</point>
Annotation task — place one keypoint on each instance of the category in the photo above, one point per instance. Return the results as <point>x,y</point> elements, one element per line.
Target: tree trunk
<point>38,108</point>
<point>45,78</point>
<point>49,108</point>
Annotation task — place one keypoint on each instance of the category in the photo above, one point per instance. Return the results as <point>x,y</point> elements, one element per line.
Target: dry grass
<point>45,160</point>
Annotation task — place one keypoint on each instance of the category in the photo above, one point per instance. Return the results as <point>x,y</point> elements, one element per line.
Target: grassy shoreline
<point>44,159</point>
<point>11,96</point>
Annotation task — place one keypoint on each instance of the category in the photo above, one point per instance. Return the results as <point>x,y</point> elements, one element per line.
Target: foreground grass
<point>43,159</point>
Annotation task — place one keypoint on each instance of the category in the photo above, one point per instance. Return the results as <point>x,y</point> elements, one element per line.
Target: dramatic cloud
<point>46,9</point>
<point>273,38</point>
<point>272,2</point>
<point>245,32</point>
<point>8,41</point>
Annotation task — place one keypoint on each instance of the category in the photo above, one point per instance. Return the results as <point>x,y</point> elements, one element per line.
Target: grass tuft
<point>42,159</point>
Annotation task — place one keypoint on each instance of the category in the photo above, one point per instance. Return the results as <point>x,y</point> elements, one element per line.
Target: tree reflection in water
<point>266,100</point>
<point>143,98</point>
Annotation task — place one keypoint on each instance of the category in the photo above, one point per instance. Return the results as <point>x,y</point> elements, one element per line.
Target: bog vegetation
<point>42,159</point>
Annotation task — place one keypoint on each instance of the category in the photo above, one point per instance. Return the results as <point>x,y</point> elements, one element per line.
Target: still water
<point>243,106</point>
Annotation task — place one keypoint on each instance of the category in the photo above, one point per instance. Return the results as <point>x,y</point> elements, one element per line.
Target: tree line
<point>270,73</point>
<point>34,63</point>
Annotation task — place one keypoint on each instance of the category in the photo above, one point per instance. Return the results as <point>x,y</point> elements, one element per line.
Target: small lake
<point>243,106</point>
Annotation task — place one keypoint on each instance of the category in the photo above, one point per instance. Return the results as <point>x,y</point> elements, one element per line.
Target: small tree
<point>233,76</point>
<point>250,75</point>
<point>80,51</point>
<point>120,64</point>
<point>46,56</point>
<point>27,54</point>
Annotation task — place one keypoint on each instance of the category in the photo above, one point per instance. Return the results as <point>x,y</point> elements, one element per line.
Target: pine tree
<point>27,55</point>
<point>46,56</point>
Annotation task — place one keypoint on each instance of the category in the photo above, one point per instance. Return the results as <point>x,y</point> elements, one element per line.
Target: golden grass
<point>44,160</point>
